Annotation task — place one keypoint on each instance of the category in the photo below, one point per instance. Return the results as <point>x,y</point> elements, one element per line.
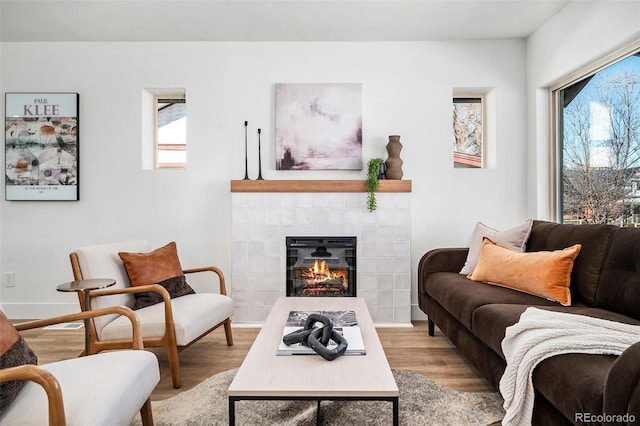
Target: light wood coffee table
<point>266,376</point>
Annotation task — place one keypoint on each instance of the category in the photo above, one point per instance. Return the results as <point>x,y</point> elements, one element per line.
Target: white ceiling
<point>270,20</point>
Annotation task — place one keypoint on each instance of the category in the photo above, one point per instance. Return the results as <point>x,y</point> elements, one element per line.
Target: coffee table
<point>264,375</point>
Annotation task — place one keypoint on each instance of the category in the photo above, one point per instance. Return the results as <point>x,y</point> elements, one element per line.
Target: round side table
<point>85,286</point>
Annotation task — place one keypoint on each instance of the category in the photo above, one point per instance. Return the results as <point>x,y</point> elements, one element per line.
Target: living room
<point>407,85</point>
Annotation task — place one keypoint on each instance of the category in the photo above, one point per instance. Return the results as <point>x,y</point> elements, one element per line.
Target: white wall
<point>580,34</point>
<point>407,90</point>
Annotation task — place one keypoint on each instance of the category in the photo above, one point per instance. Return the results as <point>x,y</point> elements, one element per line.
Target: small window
<point>170,131</point>
<point>468,131</point>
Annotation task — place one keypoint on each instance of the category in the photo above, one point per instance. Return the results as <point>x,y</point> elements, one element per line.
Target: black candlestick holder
<point>246,163</point>
<point>259,157</point>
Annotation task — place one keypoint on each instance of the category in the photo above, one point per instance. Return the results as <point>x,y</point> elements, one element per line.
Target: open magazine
<point>344,322</point>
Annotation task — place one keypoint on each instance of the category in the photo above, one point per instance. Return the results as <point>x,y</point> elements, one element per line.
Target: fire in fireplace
<point>321,266</point>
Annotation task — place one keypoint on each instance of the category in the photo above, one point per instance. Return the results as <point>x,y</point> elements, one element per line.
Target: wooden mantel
<point>316,186</point>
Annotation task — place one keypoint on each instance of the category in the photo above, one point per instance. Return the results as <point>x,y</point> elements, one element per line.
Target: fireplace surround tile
<point>385,314</point>
<point>261,222</point>
<point>402,315</point>
<point>385,281</point>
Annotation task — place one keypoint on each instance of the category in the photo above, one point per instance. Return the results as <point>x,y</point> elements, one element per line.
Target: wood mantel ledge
<point>316,186</point>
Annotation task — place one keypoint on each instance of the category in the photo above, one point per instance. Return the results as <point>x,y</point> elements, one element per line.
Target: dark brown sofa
<point>605,283</point>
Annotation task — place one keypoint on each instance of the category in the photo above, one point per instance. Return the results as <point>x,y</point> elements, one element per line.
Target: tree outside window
<point>468,131</point>
<point>600,136</point>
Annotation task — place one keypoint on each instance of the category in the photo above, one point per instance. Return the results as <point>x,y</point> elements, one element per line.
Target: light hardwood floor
<point>406,349</point>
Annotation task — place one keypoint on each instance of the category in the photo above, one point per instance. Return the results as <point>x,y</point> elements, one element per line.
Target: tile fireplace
<point>321,266</point>
<point>263,218</point>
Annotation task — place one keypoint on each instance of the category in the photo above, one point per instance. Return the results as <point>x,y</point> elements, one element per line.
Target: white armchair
<point>173,324</point>
<point>105,389</point>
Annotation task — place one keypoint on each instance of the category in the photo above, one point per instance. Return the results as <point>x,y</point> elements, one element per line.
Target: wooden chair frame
<point>48,381</point>
<point>168,340</point>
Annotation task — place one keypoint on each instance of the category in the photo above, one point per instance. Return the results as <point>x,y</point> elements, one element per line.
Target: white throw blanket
<point>542,334</point>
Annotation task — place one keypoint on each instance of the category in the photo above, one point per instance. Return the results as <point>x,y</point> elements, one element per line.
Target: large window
<point>598,130</point>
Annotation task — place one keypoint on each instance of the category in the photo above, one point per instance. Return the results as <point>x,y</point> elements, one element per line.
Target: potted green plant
<point>374,170</point>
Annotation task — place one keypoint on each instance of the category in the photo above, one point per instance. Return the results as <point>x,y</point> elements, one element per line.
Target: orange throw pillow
<point>161,266</point>
<point>541,273</point>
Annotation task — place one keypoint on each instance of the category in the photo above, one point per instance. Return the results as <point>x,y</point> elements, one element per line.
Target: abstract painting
<point>319,126</point>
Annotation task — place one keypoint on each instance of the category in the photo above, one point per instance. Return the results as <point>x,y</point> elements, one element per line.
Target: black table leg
<point>396,411</point>
<point>232,411</point>
<point>318,417</point>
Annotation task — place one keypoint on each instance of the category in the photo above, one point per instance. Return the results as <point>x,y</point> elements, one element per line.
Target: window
<point>468,131</point>
<point>170,131</point>
<point>598,135</point>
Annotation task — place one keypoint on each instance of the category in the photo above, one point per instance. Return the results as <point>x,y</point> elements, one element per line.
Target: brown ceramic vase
<point>394,163</point>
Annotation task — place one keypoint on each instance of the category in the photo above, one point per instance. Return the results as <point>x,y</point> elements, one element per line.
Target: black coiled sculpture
<point>317,338</point>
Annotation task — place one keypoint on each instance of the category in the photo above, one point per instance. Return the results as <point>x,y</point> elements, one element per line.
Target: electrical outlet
<point>9,279</point>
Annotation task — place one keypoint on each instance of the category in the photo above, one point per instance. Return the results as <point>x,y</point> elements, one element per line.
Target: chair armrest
<point>137,289</point>
<point>166,297</point>
<point>214,269</point>
<point>48,382</point>
<point>120,310</point>
<point>622,387</point>
<point>44,378</point>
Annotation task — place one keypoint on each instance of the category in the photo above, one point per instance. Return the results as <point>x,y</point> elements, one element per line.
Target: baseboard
<point>393,325</point>
<point>417,314</point>
<point>246,324</point>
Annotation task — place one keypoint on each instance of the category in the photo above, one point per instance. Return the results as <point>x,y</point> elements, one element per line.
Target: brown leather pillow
<point>14,351</point>
<point>161,266</point>
<point>152,267</point>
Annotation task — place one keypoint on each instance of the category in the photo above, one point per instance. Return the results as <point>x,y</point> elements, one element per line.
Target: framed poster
<point>319,126</point>
<point>41,146</point>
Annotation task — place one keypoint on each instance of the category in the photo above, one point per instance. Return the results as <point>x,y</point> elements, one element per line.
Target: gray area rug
<point>422,402</point>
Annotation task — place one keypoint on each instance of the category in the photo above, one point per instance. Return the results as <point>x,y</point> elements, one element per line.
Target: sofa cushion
<point>193,315</point>
<point>461,296</point>
<point>14,351</point>
<point>574,383</point>
<point>553,376</point>
<point>543,273</point>
<point>619,286</point>
<point>595,241</point>
<point>515,238</point>
<point>491,320</point>
<point>160,266</point>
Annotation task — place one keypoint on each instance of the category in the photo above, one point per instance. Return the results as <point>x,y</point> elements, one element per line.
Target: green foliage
<point>372,182</point>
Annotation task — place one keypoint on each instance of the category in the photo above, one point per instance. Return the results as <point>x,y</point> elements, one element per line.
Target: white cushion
<point>515,238</point>
<point>102,261</point>
<point>104,389</point>
<point>193,315</point>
